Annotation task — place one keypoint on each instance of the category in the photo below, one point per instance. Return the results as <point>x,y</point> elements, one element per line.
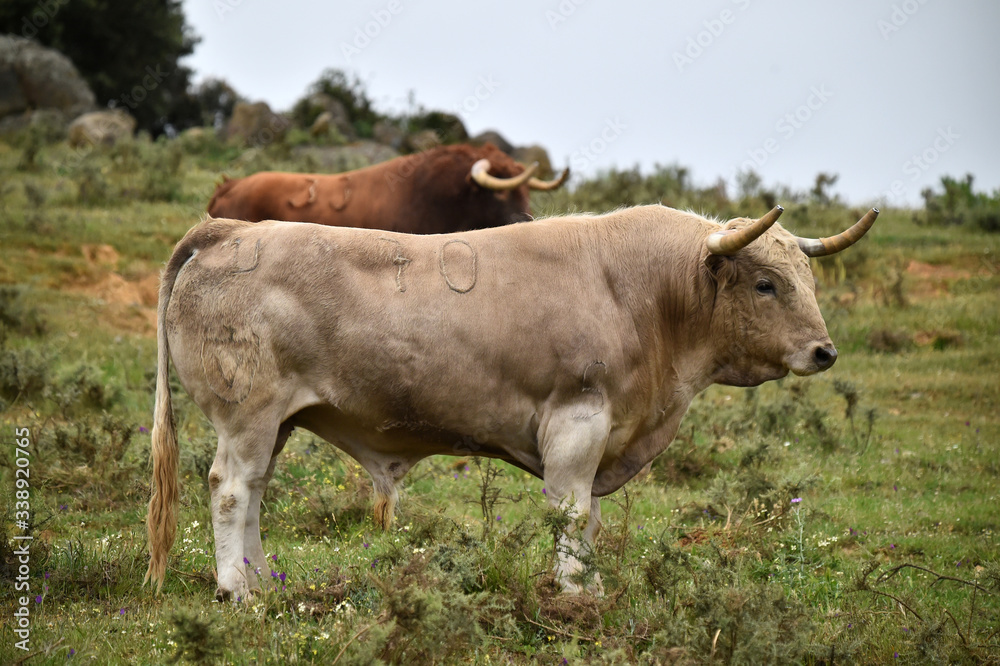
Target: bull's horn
<point>730,242</point>
<point>480,175</point>
<point>537,184</point>
<point>820,247</point>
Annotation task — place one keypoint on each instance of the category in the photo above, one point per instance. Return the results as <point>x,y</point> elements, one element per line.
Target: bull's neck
<point>653,257</point>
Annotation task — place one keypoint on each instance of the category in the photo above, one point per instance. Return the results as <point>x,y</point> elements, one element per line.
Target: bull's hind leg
<point>238,477</point>
<point>253,549</point>
<point>572,448</point>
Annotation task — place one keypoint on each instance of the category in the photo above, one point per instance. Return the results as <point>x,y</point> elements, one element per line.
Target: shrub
<point>959,204</point>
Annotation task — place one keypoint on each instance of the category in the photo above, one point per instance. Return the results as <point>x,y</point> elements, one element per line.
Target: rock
<point>321,126</point>
<point>35,77</point>
<point>337,117</point>
<point>389,134</point>
<point>335,159</point>
<point>494,137</point>
<point>255,124</point>
<point>448,126</point>
<point>423,140</point>
<point>528,154</point>
<point>12,99</point>
<point>101,128</point>
<point>194,134</point>
<point>49,123</point>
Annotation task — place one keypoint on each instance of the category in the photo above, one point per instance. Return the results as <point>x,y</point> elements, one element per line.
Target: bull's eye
<point>766,288</point>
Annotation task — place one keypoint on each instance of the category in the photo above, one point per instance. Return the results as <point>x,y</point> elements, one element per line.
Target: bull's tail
<point>161,523</point>
<point>220,190</point>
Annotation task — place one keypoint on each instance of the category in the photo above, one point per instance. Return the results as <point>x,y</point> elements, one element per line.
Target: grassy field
<point>847,518</point>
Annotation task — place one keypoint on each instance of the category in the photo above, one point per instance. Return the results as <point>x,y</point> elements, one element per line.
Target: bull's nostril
<point>825,357</point>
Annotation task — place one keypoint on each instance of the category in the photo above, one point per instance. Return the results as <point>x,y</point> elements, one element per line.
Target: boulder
<point>49,124</point>
<point>335,159</point>
<point>423,140</point>
<point>333,112</point>
<point>528,154</point>
<point>389,134</point>
<point>35,77</point>
<point>321,126</point>
<point>449,127</point>
<point>255,124</point>
<point>494,137</point>
<point>101,128</point>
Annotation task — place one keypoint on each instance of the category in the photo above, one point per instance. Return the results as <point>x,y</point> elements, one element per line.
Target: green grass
<point>890,556</point>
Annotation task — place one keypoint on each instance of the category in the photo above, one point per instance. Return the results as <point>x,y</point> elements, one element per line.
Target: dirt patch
<point>930,281</point>
<point>919,269</point>
<point>938,339</point>
<point>129,305</point>
<point>114,289</point>
<point>100,254</point>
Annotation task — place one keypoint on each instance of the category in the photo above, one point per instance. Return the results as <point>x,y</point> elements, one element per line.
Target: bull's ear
<point>721,268</point>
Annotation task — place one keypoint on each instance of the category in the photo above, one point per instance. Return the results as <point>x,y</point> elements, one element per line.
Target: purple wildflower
<point>796,500</point>
<point>275,557</point>
<point>38,599</point>
<point>145,429</point>
<point>121,612</point>
<point>246,561</point>
<point>282,576</point>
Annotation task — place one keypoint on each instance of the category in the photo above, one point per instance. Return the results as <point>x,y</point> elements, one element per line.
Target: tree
<point>127,52</point>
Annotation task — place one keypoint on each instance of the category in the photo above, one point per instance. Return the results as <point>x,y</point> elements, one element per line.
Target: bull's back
<point>393,328</point>
<point>261,196</point>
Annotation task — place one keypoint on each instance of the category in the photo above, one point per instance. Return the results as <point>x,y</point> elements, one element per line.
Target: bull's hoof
<point>222,595</point>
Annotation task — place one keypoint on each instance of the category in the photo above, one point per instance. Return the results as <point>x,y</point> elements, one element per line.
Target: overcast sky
<point>890,95</point>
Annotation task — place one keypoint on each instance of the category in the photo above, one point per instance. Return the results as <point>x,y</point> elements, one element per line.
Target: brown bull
<point>569,347</point>
<point>442,190</point>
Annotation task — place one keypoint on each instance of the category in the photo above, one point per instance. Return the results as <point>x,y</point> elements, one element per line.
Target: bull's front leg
<point>572,447</point>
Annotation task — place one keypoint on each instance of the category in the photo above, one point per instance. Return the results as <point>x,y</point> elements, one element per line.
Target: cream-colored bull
<point>570,347</point>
